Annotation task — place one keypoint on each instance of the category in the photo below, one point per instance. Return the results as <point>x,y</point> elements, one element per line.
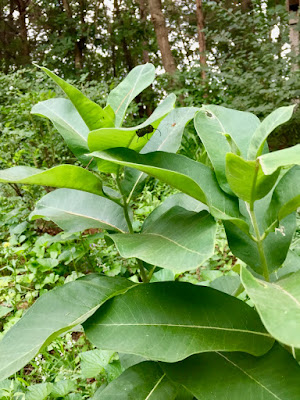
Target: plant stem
<point>124,205</point>
<point>259,238</point>
<point>151,272</point>
<point>143,273</point>
<point>260,247</point>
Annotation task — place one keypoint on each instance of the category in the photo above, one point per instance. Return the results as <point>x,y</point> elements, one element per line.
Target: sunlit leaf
<point>169,321</point>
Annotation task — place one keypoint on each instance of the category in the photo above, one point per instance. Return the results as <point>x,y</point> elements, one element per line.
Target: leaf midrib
<point>187,326</point>
<point>155,386</point>
<point>80,215</point>
<point>174,242</point>
<point>249,376</point>
<point>65,122</point>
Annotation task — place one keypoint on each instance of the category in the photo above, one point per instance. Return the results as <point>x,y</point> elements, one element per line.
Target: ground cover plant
<point>177,338</point>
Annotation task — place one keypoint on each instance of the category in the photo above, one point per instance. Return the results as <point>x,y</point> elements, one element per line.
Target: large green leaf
<point>93,115</point>
<point>62,388</point>
<point>281,158</point>
<point>69,124</point>
<point>107,138</point>
<point>74,211</point>
<point>290,265</point>
<point>236,376</point>
<point>276,244</point>
<point>179,240</point>
<point>213,123</point>
<point>169,321</point>
<point>40,391</point>
<point>278,305</point>
<point>239,125</point>
<point>276,118</point>
<point>62,176</point>
<point>167,138</point>
<point>134,83</point>
<point>171,128</point>
<point>286,196</point>
<point>144,381</point>
<point>178,199</point>
<point>193,178</point>
<point>245,180</point>
<point>54,313</point>
<point>92,362</point>
<point>227,283</point>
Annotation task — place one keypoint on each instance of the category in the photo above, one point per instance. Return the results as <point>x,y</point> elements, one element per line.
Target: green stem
<point>151,272</point>
<point>258,238</point>
<point>143,273</point>
<point>239,290</point>
<point>260,247</point>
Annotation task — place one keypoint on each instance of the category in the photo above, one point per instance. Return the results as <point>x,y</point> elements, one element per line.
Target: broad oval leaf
<point>144,381</point>
<point>178,199</point>
<point>69,124</point>
<point>93,115</point>
<point>281,158</point>
<point>92,362</point>
<point>246,178</point>
<point>167,138</point>
<point>278,305</point>
<point>227,283</point>
<point>74,211</point>
<point>236,376</point>
<point>52,314</point>
<point>193,178</point>
<point>275,245</point>
<point>39,391</point>
<point>62,176</point>
<point>135,82</point>
<point>171,129</point>
<point>107,138</point>
<point>62,388</point>
<point>286,196</point>
<point>290,265</point>
<point>212,124</point>
<point>276,118</point>
<point>169,321</point>
<point>179,240</point>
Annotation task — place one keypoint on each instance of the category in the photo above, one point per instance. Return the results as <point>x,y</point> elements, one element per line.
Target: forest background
<point>239,54</point>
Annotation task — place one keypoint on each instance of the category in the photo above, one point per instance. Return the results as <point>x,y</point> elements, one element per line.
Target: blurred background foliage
<point>248,62</point>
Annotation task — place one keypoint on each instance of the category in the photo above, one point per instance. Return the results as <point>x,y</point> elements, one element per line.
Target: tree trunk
<point>79,45</point>
<point>143,16</point>
<point>25,50</point>
<point>201,37</point>
<point>246,5</point>
<point>293,9</point>
<point>67,8</point>
<point>161,32</point>
<point>128,58</point>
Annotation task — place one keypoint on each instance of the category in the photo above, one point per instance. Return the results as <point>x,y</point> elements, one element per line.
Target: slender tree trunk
<point>161,32</point>
<point>293,9</point>
<point>128,58</point>
<point>79,45</point>
<point>201,37</point>
<point>246,5</point>
<point>25,49</point>
<point>67,8</point>
<point>143,16</point>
